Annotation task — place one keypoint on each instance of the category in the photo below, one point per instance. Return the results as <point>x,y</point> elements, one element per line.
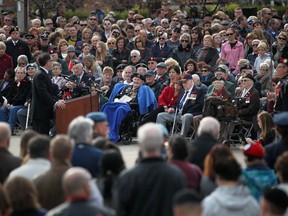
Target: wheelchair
<point>129,125</point>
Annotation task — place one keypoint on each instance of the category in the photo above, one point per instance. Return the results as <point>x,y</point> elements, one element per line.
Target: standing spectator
<point>178,152</point>
<point>60,11</point>
<point>275,149</point>
<point>77,186</point>
<point>8,161</point>
<point>99,12</point>
<point>49,187</point>
<point>174,41</point>
<point>16,47</point>
<point>254,54</point>
<point>26,201</point>
<point>257,175</point>
<point>282,88</point>
<point>262,50</point>
<point>120,54</point>
<point>5,60</point>
<point>84,154</point>
<point>147,199</point>
<point>232,50</point>
<point>38,163</point>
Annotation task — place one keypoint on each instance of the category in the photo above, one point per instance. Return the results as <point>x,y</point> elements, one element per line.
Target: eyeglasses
<point>92,19</point>
<point>134,56</point>
<point>138,41</point>
<point>204,71</point>
<point>255,45</point>
<point>194,32</point>
<point>162,38</point>
<point>230,34</point>
<point>110,43</point>
<point>245,80</point>
<point>186,41</point>
<point>150,63</point>
<point>83,24</point>
<point>269,13</point>
<point>136,30</point>
<point>7,20</point>
<point>175,20</point>
<point>281,38</point>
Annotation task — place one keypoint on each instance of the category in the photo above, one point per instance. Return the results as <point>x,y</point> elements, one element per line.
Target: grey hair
<point>150,137</point>
<point>80,129</point>
<point>186,36</point>
<point>22,57</point>
<point>210,126</point>
<point>195,76</point>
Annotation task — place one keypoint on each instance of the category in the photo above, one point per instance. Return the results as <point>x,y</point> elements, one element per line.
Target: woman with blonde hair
<point>263,55</point>
<point>280,48</point>
<point>248,44</point>
<point>103,58</point>
<point>111,44</point>
<point>90,66</point>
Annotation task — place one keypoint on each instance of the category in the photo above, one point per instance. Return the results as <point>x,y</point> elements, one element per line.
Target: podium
<point>75,107</point>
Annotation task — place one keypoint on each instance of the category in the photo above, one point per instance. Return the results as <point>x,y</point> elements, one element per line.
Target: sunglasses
<point>110,43</point>
<point>83,24</point>
<point>194,32</point>
<point>182,41</point>
<point>281,38</point>
<point>175,20</point>
<point>138,41</point>
<point>230,34</point>
<point>133,56</point>
<point>255,45</point>
<point>7,20</point>
<point>204,71</point>
<point>92,19</point>
<point>150,63</point>
<point>162,38</point>
<point>269,13</point>
<point>245,80</point>
<point>136,30</point>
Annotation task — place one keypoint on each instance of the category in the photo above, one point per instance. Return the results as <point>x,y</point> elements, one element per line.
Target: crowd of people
<point>203,77</point>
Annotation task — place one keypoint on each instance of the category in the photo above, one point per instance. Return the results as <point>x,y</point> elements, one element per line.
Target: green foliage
<point>79,13</point>
<point>230,9</point>
<point>124,14</point>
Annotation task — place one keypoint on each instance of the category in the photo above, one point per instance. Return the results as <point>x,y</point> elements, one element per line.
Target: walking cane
<point>27,118</point>
<point>174,121</point>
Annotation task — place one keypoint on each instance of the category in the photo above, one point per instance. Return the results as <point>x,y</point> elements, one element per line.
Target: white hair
<point>196,77</point>
<point>150,137</point>
<point>209,125</point>
<point>137,52</point>
<point>81,129</point>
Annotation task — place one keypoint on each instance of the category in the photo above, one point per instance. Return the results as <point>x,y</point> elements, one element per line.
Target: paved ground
<point>129,152</point>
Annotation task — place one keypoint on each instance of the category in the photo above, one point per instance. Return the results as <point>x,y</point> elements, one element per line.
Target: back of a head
<point>277,201</point>
<point>187,202</point>
<point>112,162</point>
<point>74,181</point>
<point>178,145</point>
<point>209,125</point>
<point>227,169</point>
<point>22,194</point>
<point>38,146</point>
<point>5,133</point>
<point>85,125</point>
<point>61,148</point>
<point>43,59</point>
<point>150,137</point>
<point>28,134</point>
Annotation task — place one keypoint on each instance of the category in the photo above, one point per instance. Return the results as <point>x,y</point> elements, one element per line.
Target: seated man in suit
<point>138,96</point>
<point>7,82</point>
<point>79,82</point>
<point>190,103</point>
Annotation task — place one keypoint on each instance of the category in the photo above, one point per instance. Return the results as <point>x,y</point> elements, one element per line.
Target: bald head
<point>5,134</point>
<point>76,181</point>
<point>61,148</point>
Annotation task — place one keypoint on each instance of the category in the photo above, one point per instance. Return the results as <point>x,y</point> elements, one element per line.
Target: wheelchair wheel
<point>126,139</point>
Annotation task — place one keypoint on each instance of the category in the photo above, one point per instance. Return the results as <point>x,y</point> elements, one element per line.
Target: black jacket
<point>148,189</point>
<point>19,92</point>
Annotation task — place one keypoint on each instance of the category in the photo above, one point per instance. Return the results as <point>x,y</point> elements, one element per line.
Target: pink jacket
<point>232,55</point>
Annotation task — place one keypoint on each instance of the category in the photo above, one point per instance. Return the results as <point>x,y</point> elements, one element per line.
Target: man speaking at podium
<point>43,99</point>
